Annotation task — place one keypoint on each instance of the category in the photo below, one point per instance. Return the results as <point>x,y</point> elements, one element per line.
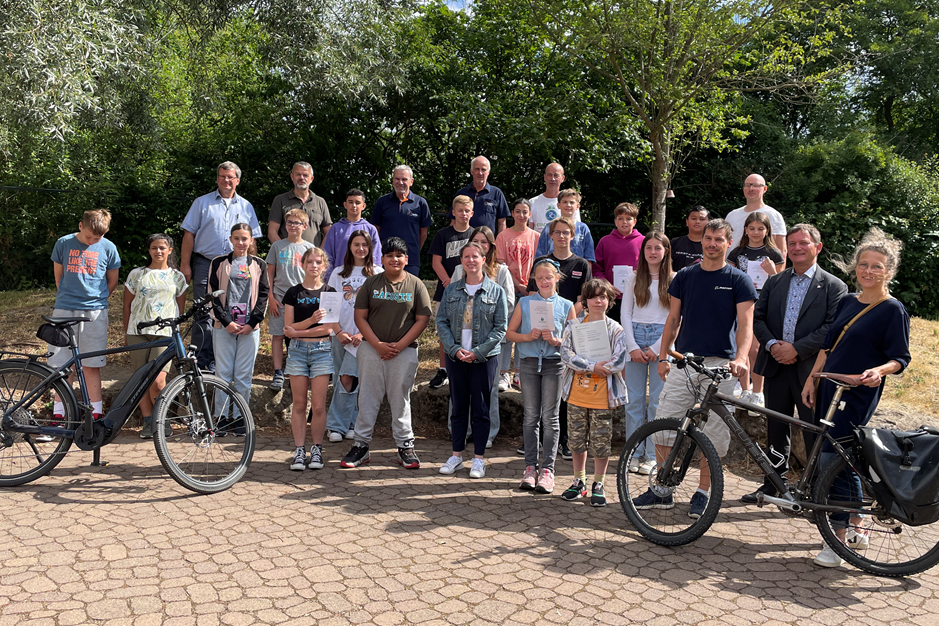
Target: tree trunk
<point>660,182</point>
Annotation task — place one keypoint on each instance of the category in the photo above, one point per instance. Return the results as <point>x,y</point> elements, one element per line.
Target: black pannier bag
<point>903,468</point>
<point>53,335</point>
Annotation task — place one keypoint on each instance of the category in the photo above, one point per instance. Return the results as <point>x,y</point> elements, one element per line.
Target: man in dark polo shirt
<point>300,197</point>
<point>403,214</point>
<point>489,205</point>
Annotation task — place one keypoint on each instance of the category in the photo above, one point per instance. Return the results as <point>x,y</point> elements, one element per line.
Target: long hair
<point>348,264</point>
<point>644,277</point>
<point>492,264</point>
<point>320,253</point>
<point>171,257</point>
<point>767,238</point>
<point>253,247</point>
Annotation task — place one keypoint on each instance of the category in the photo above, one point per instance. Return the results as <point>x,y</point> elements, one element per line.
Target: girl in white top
<point>645,309</point>
<point>357,266</point>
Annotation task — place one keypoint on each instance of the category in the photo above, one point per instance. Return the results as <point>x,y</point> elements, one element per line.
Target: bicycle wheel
<point>24,458</point>
<point>893,548</point>
<point>195,456</point>
<point>658,505</point>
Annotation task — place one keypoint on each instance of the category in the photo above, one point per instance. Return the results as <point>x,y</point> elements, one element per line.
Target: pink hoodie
<point>615,249</point>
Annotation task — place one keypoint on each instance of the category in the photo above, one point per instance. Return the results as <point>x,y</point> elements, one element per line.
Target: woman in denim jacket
<point>471,323</point>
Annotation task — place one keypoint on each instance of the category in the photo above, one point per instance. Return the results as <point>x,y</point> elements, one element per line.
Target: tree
<point>681,64</point>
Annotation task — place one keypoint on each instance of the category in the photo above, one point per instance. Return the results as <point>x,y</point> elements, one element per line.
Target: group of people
<point>591,326</point>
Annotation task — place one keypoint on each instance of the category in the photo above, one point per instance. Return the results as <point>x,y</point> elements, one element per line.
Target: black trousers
<point>783,393</point>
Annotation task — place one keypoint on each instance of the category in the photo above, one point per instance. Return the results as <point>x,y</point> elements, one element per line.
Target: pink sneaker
<point>545,482</point>
<point>528,478</point>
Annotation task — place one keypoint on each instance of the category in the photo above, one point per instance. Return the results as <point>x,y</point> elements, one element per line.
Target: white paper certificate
<point>330,301</point>
<point>351,349</point>
<point>621,274</point>
<point>757,274</point>
<point>542,315</point>
<point>591,341</point>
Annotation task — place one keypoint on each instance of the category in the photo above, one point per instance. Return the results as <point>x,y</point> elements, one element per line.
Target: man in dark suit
<point>791,319</point>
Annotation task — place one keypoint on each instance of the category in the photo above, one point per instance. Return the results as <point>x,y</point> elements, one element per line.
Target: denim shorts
<point>309,358</point>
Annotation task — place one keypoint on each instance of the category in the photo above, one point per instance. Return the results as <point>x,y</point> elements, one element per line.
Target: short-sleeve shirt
<point>709,309</point>
<point>210,219</point>
<point>685,252</point>
<point>576,270</point>
<point>284,257</point>
<point>489,206</point>
<point>742,256</point>
<point>737,217</point>
<point>545,210</point>
<point>393,307</point>
<point>315,208</point>
<point>517,251</point>
<point>447,244</point>
<point>405,219</point>
<point>349,288</point>
<point>305,302</point>
<point>155,293</point>
<point>84,283</point>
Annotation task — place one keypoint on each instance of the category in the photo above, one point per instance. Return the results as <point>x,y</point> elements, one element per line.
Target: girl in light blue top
<point>540,373</point>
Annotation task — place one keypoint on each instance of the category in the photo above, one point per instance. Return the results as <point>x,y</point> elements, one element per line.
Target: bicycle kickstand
<point>96,459</point>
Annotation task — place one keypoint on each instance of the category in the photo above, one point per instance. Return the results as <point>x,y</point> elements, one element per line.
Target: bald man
<point>544,208</point>
<point>753,189</point>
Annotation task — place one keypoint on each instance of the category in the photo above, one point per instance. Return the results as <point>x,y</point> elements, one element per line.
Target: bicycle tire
<point>28,457</point>
<point>895,549</point>
<point>201,460</point>
<point>670,525</point>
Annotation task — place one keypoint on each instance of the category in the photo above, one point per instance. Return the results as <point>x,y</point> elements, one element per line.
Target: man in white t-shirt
<point>753,189</point>
<point>544,208</point>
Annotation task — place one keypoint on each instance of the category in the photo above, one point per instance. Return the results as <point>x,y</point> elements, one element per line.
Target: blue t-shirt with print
<point>709,309</point>
<point>84,283</point>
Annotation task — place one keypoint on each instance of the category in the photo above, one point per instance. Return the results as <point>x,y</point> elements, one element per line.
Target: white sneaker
<point>489,444</point>
<point>334,436</point>
<point>453,464</point>
<point>758,399</point>
<point>858,539</point>
<point>647,467</point>
<point>633,465</point>
<point>350,434</point>
<point>828,558</point>
<point>505,381</point>
<point>479,468</point>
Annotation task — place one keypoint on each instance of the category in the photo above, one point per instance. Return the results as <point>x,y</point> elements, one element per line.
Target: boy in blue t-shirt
<point>85,266</point>
<point>582,240</point>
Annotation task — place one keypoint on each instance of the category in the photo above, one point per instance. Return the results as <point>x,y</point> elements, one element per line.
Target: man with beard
<point>300,197</point>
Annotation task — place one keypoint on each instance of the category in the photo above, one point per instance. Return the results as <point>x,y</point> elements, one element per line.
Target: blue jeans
<point>344,406</point>
<point>637,375</point>
<point>541,397</point>
<point>234,358</point>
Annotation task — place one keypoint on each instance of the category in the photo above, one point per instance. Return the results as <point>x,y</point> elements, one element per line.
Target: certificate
<point>591,341</point>
<point>757,274</point>
<point>621,274</point>
<point>351,349</point>
<point>541,315</point>
<point>330,301</point>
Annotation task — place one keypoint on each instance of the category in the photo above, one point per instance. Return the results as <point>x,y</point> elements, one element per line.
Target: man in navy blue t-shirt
<point>489,205</point>
<point>713,304</point>
<point>403,214</point>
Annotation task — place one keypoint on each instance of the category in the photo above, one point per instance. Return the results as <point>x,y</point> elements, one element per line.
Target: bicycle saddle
<point>65,321</point>
<point>841,379</point>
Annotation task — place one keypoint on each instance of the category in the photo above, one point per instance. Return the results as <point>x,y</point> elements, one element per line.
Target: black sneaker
<point>521,450</point>
<point>439,379</point>
<point>408,458</point>
<point>576,491</point>
<point>566,453</point>
<point>358,455</point>
<point>299,459</point>
<point>277,382</point>
<point>316,457</point>
<point>597,497</point>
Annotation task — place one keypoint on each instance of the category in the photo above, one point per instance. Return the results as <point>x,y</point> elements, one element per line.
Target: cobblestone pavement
<point>383,545</point>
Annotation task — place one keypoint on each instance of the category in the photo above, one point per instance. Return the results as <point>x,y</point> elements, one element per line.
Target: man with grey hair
<point>206,235</point>
<point>403,214</point>
<point>489,205</point>
<point>300,197</point>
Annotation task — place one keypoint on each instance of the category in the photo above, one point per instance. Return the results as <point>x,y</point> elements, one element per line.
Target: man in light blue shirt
<point>206,235</point>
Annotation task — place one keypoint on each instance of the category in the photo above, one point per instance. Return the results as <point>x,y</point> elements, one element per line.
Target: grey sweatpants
<point>378,378</point>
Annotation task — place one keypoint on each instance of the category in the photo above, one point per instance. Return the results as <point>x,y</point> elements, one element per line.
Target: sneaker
<point>358,455</point>
<point>767,489</point>
<point>57,422</point>
<point>277,382</point>
<point>351,434</point>
<point>516,382</point>
<point>146,432</point>
<point>505,381</point>
<point>858,539</point>
<point>316,457</point>
<point>439,379</point>
<point>647,467</point>
<point>520,450</point>
<point>759,400</point>
<point>576,491</point>
<point>699,502</point>
<point>299,459</point>
<point>545,482</point>
<point>633,465</point>
<point>489,444</point>
<point>597,497</point>
<point>479,468</point>
<point>334,437</point>
<point>453,464</point>
<point>649,500</point>
<point>408,458</point>
<point>529,478</point>
<point>565,452</point>
<point>828,558</point>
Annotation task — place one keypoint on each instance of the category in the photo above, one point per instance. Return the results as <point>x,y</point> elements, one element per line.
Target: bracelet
<point>664,361</point>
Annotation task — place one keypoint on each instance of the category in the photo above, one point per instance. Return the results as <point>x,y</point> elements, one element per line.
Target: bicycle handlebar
<point>697,364</point>
<point>201,303</point>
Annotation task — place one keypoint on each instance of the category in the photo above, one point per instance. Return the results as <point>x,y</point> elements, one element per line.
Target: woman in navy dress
<point>877,344</point>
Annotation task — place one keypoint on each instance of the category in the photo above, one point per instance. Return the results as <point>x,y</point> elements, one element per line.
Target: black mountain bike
<point>890,547</point>
<point>203,429</point>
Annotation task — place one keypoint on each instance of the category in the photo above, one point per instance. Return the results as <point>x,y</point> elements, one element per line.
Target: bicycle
<point>191,416</point>
<point>882,544</point>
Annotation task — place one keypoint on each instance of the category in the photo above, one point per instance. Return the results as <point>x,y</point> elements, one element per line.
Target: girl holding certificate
<point>536,327</point>
<point>645,308</point>
<point>309,361</point>
<point>758,257</point>
<point>593,352</point>
<point>471,322</point>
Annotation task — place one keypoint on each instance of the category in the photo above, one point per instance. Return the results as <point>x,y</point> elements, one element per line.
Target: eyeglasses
<point>228,178</point>
<point>873,269</point>
<point>292,223</point>
<point>753,185</point>
<point>562,233</point>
